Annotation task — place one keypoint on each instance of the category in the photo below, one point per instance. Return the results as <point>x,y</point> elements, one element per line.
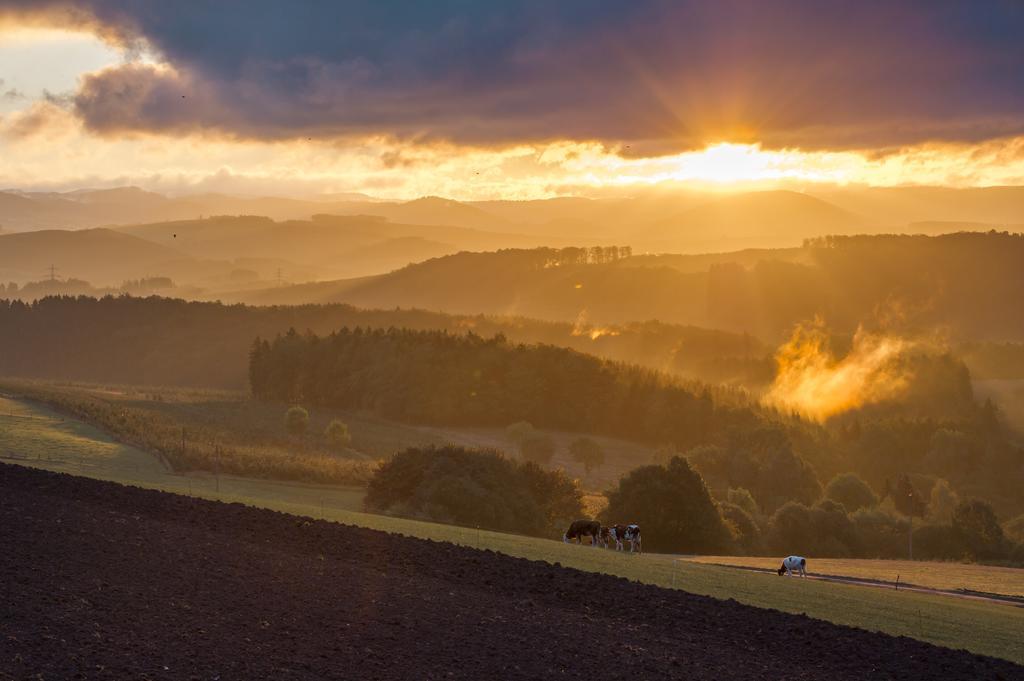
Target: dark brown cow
<point>583,528</point>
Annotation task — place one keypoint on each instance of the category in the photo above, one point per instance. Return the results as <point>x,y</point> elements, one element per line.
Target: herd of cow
<point>603,536</point>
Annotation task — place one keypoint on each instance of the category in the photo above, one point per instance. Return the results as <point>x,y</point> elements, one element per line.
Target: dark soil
<point>112,582</point>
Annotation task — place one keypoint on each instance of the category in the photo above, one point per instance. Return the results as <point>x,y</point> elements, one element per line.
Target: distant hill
<point>967,284</point>
<point>160,341</point>
<point>100,256</point>
<point>326,245</point>
<point>895,207</point>
<point>761,219</point>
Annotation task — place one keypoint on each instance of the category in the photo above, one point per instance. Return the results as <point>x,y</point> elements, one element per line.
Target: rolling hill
<point>101,256</point>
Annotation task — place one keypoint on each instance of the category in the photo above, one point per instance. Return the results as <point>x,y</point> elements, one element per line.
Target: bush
<point>537,448</point>
<point>474,488</point>
<point>296,420</point>
<point>337,435</point>
<point>587,452</point>
<point>851,491</point>
<point>672,506</point>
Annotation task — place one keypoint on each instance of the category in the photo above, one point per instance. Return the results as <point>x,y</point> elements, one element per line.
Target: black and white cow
<point>792,564</point>
<point>633,537</point>
<point>619,534</point>
<point>583,528</point>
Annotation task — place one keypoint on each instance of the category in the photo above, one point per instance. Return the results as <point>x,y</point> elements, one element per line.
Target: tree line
<point>466,380</point>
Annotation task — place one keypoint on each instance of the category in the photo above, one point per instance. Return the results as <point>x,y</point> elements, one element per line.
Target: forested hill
<point>969,284</point>
<point>162,341</point>
<point>438,378</point>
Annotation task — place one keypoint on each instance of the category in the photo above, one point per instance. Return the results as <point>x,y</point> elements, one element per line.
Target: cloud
<point>38,119</point>
<point>657,75</point>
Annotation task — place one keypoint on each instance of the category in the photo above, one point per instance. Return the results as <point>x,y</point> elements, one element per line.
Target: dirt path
<point>105,581</point>
<point>862,581</point>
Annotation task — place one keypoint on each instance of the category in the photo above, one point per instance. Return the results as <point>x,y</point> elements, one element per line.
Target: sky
<point>516,100</point>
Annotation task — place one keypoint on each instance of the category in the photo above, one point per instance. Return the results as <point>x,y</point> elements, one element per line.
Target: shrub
<point>337,435</point>
<point>474,488</point>
<point>296,420</point>
<point>672,506</point>
<point>851,491</point>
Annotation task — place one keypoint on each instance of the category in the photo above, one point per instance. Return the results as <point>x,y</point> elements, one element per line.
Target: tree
<point>519,431</point>
<point>587,452</point>
<point>976,524</point>
<point>851,491</point>
<point>296,420</point>
<point>942,502</point>
<point>824,530</point>
<point>906,498</point>
<point>742,498</point>
<point>337,435</point>
<point>1015,529</point>
<point>909,502</point>
<point>672,507</point>
<point>745,532</point>
<point>663,454</point>
<point>537,448</point>
<point>474,487</point>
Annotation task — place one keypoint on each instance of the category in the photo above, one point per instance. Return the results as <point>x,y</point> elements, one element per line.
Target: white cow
<point>793,564</point>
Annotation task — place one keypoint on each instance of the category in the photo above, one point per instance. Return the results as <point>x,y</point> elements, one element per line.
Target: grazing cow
<point>620,534</point>
<point>632,535</point>
<point>793,564</point>
<point>613,534</point>
<point>583,528</point>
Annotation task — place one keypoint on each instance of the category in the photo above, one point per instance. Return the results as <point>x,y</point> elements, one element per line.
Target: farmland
<point>40,438</point>
<point>219,590</point>
<point>229,432</point>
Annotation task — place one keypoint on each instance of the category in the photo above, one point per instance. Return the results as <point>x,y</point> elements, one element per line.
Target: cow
<point>583,528</point>
<point>633,537</point>
<point>613,534</point>
<point>792,564</point>
<point>620,534</point>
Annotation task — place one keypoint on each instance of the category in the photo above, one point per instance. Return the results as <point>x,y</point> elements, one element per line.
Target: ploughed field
<point>106,581</point>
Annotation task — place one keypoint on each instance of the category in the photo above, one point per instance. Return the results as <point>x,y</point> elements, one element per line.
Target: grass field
<point>36,436</point>
<point>254,432</point>
<point>32,434</point>
<point>934,575</point>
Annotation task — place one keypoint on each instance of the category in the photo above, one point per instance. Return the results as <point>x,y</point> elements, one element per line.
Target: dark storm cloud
<point>657,75</point>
